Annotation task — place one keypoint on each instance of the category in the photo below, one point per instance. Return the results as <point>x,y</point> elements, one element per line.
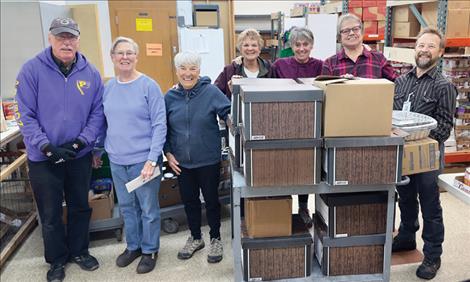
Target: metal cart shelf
<point>115,223</point>
<point>240,189</point>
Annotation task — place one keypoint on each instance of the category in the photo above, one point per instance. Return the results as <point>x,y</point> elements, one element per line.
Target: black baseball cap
<point>60,25</point>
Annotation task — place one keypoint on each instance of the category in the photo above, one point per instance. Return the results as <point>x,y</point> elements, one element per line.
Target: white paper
<point>139,181</point>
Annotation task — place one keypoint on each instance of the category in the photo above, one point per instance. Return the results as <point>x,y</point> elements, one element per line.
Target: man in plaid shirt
<point>355,59</point>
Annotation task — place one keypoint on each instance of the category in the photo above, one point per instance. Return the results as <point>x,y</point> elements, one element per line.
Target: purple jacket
<point>55,109</point>
<point>265,71</point>
<point>290,68</point>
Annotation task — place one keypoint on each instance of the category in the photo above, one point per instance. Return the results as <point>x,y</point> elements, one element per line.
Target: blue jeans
<point>140,208</point>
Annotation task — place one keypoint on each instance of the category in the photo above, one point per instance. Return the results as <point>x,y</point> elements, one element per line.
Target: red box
<point>372,14</point>
<point>355,3</point>
<point>370,27</point>
<point>369,3</point>
<point>381,27</point>
<point>382,3</point>
<point>356,11</point>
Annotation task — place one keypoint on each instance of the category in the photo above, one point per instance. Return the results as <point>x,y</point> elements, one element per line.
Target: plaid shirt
<point>432,95</point>
<point>370,64</point>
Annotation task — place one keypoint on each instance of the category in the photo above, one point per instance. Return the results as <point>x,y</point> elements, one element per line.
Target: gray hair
<point>300,33</point>
<point>348,17</point>
<point>122,39</point>
<point>187,58</point>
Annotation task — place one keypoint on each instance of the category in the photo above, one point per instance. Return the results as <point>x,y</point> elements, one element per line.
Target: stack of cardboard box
<point>372,13</point>
<point>405,23</point>
<point>458,17</point>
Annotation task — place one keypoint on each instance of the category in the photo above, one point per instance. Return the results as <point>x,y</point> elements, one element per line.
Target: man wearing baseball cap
<point>60,115</point>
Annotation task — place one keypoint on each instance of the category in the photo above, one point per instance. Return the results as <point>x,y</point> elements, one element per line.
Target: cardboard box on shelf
<point>369,3</point>
<point>373,14</point>
<point>403,14</point>
<point>206,18</point>
<point>268,216</point>
<point>355,3</point>
<point>356,11</point>
<point>402,29</point>
<point>420,156</point>
<point>381,27</point>
<point>370,27</point>
<point>297,11</point>
<point>458,23</point>
<point>347,111</point>
<point>458,4</point>
<point>429,13</point>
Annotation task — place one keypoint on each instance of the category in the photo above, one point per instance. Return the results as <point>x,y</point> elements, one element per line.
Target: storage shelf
<point>457,157</point>
<point>391,3</point>
<point>458,42</point>
<point>373,37</point>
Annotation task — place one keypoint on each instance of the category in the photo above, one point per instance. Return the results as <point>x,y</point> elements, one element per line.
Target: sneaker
<point>428,269</point>
<point>56,273</point>
<point>401,245</point>
<point>216,251</point>
<point>190,248</point>
<point>127,257</point>
<point>305,216</point>
<point>147,263</point>
<point>86,262</point>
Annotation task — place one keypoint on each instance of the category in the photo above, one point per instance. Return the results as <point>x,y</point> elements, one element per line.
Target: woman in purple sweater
<point>300,65</point>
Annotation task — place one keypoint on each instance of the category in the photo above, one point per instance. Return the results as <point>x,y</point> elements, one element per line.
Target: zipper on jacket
<point>188,123</point>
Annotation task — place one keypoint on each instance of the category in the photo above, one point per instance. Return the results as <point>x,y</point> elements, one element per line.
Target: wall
<point>243,7</point>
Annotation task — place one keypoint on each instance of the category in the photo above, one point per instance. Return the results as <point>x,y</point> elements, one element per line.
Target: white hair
<point>186,58</point>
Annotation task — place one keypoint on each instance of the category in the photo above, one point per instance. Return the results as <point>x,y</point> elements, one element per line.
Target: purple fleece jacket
<point>56,109</point>
<point>290,68</point>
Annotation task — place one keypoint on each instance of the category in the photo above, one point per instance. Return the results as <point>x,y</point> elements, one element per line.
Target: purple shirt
<point>370,64</point>
<point>290,68</point>
<point>56,109</point>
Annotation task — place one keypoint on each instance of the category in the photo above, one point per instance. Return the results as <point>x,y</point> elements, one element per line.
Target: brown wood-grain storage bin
<point>352,214</point>
<point>363,160</point>
<point>278,258</point>
<point>274,112</point>
<point>236,100</point>
<point>282,162</point>
<point>169,194</point>
<point>268,216</point>
<point>347,256</point>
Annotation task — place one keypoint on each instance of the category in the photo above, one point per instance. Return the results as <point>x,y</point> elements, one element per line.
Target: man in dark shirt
<point>424,90</point>
<point>355,58</point>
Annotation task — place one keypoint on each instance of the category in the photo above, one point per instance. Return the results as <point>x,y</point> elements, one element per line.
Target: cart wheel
<point>170,225</point>
<point>118,234</point>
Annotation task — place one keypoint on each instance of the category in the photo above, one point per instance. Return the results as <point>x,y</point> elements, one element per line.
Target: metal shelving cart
<point>240,189</point>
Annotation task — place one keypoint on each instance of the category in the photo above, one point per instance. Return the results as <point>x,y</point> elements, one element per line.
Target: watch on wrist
<point>152,163</point>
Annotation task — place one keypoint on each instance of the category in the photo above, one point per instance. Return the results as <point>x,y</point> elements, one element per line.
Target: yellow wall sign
<point>143,24</point>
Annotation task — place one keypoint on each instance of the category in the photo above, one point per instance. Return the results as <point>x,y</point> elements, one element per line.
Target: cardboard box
<point>297,12</point>
<point>101,208</point>
<point>280,257</point>
<point>370,27</point>
<point>402,29</point>
<point>355,3</point>
<point>458,4</point>
<point>403,14</point>
<point>356,11</point>
<point>420,156</point>
<point>268,216</point>
<point>369,3</point>
<point>381,27</point>
<point>429,13</point>
<point>457,23</point>
<point>361,107</point>
<point>206,18</point>
<point>373,14</point>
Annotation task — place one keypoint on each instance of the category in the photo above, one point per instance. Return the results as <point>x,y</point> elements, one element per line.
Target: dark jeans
<point>206,179</point>
<point>52,183</point>
<point>422,186</point>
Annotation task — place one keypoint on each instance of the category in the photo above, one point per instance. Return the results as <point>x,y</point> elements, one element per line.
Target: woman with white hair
<point>135,113</point>
<point>193,149</point>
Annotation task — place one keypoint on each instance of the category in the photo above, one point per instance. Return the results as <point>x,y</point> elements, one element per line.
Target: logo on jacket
<point>82,84</point>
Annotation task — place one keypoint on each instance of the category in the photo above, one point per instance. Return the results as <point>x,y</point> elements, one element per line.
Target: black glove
<point>58,155</point>
<point>75,145</point>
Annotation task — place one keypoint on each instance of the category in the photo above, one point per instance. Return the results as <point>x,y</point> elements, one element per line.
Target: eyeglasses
<point>347,31</point>
<point>65,37</point>
<point>126,53</point>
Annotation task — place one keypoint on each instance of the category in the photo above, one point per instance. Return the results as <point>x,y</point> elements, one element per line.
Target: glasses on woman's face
<point>124,53</point>
<point>347,31</point>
